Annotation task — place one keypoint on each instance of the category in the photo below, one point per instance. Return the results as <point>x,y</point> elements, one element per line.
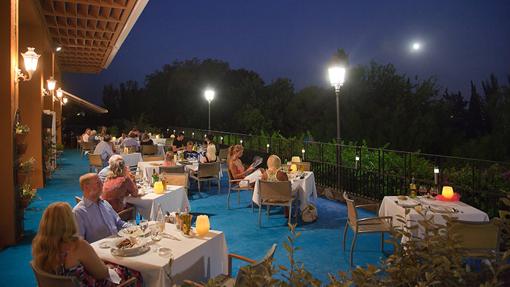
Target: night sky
<point>461,40</point>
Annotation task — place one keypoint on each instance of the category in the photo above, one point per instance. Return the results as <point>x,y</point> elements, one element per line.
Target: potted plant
<point>27,194</point>
<point>24,169</point>
<point>21,133</point>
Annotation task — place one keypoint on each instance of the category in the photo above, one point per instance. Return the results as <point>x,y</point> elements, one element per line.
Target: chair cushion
<point>272,200</point>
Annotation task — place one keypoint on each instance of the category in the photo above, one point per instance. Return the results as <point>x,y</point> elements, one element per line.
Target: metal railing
<point>373,173</point>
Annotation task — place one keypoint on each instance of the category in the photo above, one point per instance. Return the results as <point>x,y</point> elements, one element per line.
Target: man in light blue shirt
<point>95,217</point>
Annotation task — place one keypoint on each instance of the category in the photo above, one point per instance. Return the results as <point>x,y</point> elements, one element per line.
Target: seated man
<point>95,217</point>
<point>179,143</point>
<point>131,141</point>
<point>189,153</point>
<point>105,149</point>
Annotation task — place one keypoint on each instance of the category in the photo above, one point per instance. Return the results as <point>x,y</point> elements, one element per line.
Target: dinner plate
<point>132,231</point>
<point>442,209</point>
<point>138,248</point>
<point>408,203</point>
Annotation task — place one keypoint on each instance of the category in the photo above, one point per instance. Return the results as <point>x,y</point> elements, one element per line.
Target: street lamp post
<point>337,78</point>
<point>209,96</point>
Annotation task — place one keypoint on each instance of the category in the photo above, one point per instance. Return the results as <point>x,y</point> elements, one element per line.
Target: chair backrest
<point>275,190</point>
<point>153,158</point>
<point>172,169</point>
<point>127,213</point>
<point>477,237</point>
<point>45,279</point>
<point>208,169</point>
<point>95,160</point>
<point>242,280</point>
<point>223,154</point>
<point>180,179</point>
<point>304,166</point>
<point>149,149</point>
<point>87,146</point>
<point>352,214</point>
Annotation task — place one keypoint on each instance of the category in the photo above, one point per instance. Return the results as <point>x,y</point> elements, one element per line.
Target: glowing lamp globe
<point>30,58</point>
<point>52,83</point>
<point>336,76</point>
<point>202,225</point>
<point>60,93</point>
<point>447,192</point>
<point>209,95</point>
<point>64,101</point>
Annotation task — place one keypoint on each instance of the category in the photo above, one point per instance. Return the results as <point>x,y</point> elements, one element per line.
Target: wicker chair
<point>304,166</point>
<point>172,169</point>
<point>181,179</point>
<point>207,172</point>
<point>234,185</point>
<point>95,162</point>
<point>149,149</point>
<point>87,147</point>
<point>380,224</point>
<point>478,239</point>
<point>275,193</point>
<point>153,158</point>
<point>45,279</point>
<point>241,278</point>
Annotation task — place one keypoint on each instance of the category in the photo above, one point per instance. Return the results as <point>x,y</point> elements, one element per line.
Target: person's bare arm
<point>92,263</point>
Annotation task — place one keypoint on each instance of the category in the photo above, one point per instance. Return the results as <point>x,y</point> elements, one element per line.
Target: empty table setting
<point>192,256</point>
<point>396,207</point>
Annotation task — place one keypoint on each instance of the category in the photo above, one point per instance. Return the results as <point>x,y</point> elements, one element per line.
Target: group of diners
<point>62,244</point>
<point>238,170</point>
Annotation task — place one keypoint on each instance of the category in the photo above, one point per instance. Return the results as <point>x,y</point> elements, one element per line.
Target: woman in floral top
<point>119,184</point>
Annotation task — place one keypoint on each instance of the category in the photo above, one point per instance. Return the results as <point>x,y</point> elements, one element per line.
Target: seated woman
<point>118,185</point>
<point>146,140</point>
<point>274,172</point>
<point>169,159</point>
<point>235,165</point>
<point>189,153</point>
<point>57,249</point>
<point>210,151</point>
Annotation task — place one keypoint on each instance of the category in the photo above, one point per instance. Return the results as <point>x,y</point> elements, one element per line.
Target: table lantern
<point>296,159</point>
<point>158,187</point>
<point>447,192</point>
<point>202,225</point>
<point>293,167</point>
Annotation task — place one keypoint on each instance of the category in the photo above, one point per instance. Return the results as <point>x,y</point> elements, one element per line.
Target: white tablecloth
<point>160,141</point>
<point>390,206</point>
<point>132,159</point>
<point>173,199</point>
<point>149,167</point>
<point>305,189</point>
<point>195,258</point>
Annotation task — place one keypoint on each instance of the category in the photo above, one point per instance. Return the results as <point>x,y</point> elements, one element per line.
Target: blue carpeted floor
<point>321,241</point>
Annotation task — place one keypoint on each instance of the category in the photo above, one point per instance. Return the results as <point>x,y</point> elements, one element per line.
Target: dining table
<point>173,199</point>
<point>302,183</point>
<point>150,167</point>
<point>186,257</point>
<point>404,212</point>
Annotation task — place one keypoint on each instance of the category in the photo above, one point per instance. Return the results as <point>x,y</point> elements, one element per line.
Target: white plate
<point>408,203</point>
<point>139,247</point>
<point>442,209</point>
<point>132,231</point>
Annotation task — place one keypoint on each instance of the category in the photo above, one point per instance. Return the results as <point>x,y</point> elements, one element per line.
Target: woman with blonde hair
<point>57,249</point>
<point>274,172</point>
<point>118,185</point>
<point>235,165</point>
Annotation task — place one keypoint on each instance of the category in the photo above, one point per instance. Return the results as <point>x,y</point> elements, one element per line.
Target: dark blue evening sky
<point>462,40</point>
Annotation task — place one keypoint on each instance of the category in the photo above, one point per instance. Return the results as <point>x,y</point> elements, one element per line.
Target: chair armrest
<point>192,283</point>
<point>130,282</point>
<point>126,212</point>
<point>236,256</point>
<point>368,219</point>
<point>367,205</point>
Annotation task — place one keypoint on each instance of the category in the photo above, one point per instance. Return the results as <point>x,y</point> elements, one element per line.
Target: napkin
<point>114,277</point>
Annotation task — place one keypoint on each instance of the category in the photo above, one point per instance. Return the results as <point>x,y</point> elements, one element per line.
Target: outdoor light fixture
<point>241,142</point>
<point>357,158</point>
<point>52,83</point>
<point>303,154</point>
<point>64,101</point>
<point>209,96</point>
<point>436,175</point>
<point>336,76</point>
<point>60,93</point>
<point>58,49</point>
<point>267,148</point>
<point>30,58</point>
<point>356,163</point>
